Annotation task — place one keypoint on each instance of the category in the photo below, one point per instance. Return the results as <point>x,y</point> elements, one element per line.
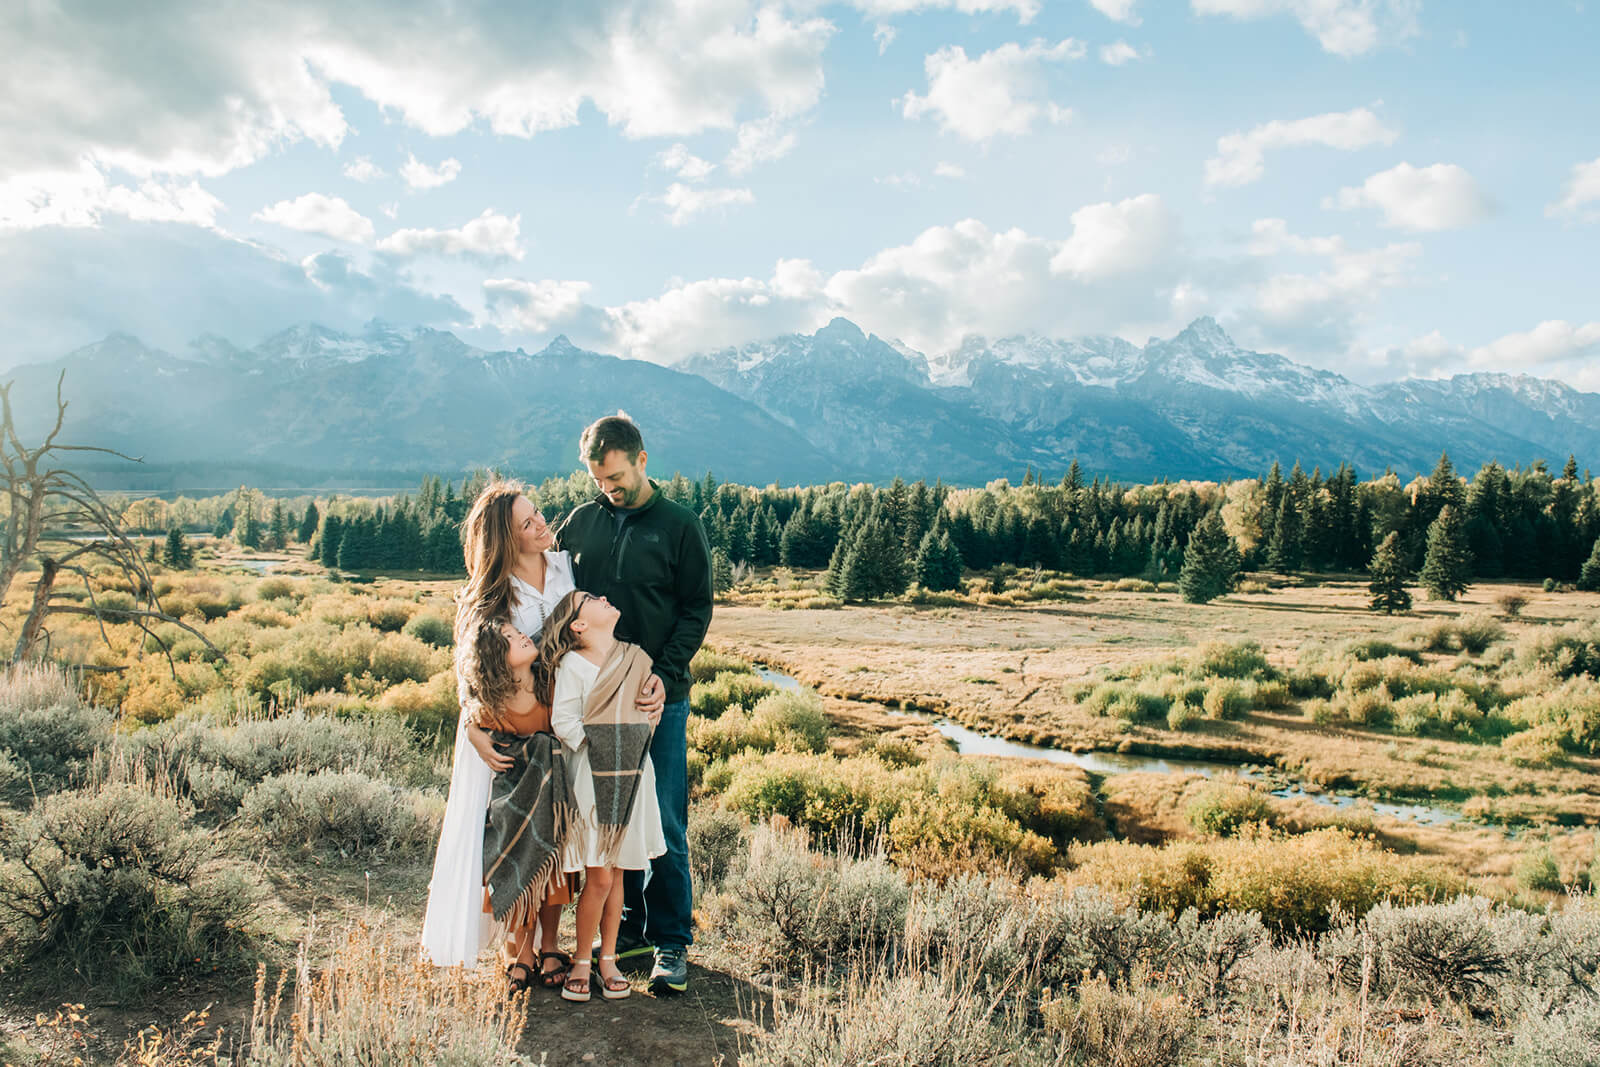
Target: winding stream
<point>971,743</point>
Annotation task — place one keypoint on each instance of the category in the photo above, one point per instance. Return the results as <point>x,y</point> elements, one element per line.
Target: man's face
<point>623,483</point>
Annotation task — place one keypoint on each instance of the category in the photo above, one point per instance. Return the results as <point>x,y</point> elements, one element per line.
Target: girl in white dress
<point>585,668</point>
<point>513,573</point>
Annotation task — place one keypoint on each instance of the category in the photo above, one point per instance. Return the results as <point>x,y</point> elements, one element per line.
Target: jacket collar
<point>655,495</point>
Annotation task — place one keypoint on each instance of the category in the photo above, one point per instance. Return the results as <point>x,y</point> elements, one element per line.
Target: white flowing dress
<point>455,928</point>
<point>644,840</point>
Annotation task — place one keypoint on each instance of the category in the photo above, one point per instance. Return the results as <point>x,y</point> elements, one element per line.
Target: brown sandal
<point>519,984</point>
<point>554,978</point>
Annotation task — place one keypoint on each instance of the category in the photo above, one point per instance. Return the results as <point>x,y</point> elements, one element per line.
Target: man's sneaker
<point>628,946</point>
<point>671,972</point>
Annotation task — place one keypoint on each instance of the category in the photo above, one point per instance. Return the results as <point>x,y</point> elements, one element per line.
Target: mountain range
<point>310,406</point>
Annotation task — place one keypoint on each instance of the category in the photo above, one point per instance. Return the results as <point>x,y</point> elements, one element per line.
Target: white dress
<point>455,928</point>
<point>644,840</point>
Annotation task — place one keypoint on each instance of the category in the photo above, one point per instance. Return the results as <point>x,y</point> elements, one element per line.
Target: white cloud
<point>759,141</point>
<point>419,175</point>
<point>256,78</point>
<point>1114,155</point>
<point>684,202</point>
<point>1240,156</point>
<point>901,180</point>
<point>1553,341</point>
<point>362,169</point>
<point>881,9</point>
<point>949,170</point>
<point>715,312</point>
<point>1117,10</point>
<point>1441,197</point>
<point>489,236</point>
<point>883,34</point>
<point>1118,53</point>
<point>1320,310</point>
<point>1000,92</point>
<point>167,283</point>
<point>685,164</point>
<point>1110,239</point>
<point>316,213</point>
<point>83,197</point>
<point>1580,197</point>
<point>390,210</point>
<point>1342,27</point>
<point>534,306</point>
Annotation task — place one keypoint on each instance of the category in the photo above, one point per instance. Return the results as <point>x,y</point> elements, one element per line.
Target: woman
<point>512,574</point>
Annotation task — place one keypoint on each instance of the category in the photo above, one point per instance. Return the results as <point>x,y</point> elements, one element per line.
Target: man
<point>649,556</point>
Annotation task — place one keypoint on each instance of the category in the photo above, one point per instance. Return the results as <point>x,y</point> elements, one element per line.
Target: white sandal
<point>568,987</point>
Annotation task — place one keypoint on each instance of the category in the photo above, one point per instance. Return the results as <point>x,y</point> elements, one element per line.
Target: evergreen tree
<point>153,553</point>
<point>278,529</point>
<point>833,578</point>
<point>177,554</point>
<point>1589,576</point>
<point>308,524</point>
<point>224,524</point>
<point>1447,565</point>
<point>1284,552</point>
<point>1388,584</point>
<point>247,528</point>
<point>1210,562</point>
<point>721,571</point>
<point>938,563</point>
<point>328,546</point>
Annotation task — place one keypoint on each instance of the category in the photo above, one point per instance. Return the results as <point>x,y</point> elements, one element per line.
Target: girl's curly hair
<point>482,660</point>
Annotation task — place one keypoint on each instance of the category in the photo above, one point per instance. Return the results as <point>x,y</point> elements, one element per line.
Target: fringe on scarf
<point>544,881</point>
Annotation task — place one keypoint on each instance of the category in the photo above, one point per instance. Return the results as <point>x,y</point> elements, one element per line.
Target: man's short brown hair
<point>611,434</point>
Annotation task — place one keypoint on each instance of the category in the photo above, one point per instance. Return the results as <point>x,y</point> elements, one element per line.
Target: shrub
<point>432,629</point>
<point>47,728</point>
<point>1224,660</point>
<point>1537,871</point>
<point>430,706</point>
<point>710,699</point>
<point>1222,808</point>
<point>274,589</point>
<point>1568,650</point>
<point>1464,949</point>
<point>942,836</point>
<point>708,663</point>
<point>1181,716</point>
<point>1131,703</point>
<point>1565,1034</point>
<point>1106,1026</point>
<point>717,839</point>
<point>1083,931</point>
<point>1293,882</point>
<point>1569,714</point>
<point>1435,715</point>
<point>1227,700</point>
<point>343,810</point>
<point>1511,604</point>
<point>788,720</point>
<point>400,658</point>
<point>116,883</point>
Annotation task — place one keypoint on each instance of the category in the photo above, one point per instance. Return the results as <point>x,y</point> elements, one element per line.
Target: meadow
<point>249,826</point>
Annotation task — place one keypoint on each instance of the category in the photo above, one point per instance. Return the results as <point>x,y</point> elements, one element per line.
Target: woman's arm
<point>566,709</point>
<point>471,717</point>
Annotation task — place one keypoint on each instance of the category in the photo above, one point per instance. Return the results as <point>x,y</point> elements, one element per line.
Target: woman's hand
<point>652,698</point>
<point>479,738</point>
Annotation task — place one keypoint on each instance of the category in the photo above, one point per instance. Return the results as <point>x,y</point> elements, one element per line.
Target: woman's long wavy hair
<point>489,542</point>
<point>555,641</point>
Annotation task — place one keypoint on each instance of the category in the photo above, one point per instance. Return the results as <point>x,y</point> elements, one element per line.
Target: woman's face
<point>533,533</point>
<point>523,651</point>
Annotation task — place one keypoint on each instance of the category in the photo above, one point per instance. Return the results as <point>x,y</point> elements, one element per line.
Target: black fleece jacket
<point>655,567</point>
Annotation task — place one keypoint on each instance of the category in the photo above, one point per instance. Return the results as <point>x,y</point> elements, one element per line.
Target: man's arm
<point>692,585</point>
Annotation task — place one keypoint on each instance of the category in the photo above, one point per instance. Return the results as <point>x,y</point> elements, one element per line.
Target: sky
<point>1385,188</point>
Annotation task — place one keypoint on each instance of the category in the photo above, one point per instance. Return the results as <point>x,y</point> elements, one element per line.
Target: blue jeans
<point>658,904</point>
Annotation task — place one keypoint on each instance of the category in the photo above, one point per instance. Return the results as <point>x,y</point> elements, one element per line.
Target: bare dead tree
<point>56,519</point>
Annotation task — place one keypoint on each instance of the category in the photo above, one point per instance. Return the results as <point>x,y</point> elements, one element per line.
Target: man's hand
<point>652,698</point>
<point>479,738</point>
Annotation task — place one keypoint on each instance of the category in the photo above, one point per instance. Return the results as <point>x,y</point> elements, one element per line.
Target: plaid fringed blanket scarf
<point>525,830</point>
<point>618,735</point>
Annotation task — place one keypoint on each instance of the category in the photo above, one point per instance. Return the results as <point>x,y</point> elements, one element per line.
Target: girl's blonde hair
<point>555,641</point>
<point>481,658</point>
